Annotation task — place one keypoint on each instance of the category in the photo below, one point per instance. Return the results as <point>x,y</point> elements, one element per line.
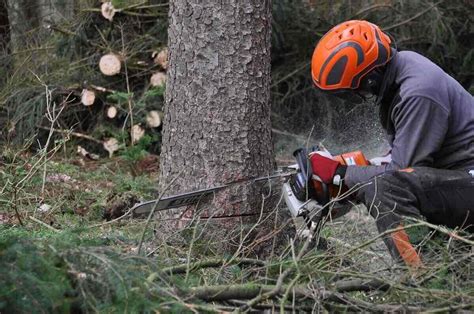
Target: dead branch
<point>411,18</point>
<point>370,8</point>
<point>43,224</point>
<point>181,269</point>
<point>241,292</point>
<point>75,134</point>
<point>328,298</point>
<point>361,285</point>
<point>152,212</point>
<point>449,232</point>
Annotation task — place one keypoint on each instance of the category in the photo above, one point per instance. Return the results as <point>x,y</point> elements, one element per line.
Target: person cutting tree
<point>429,119</point>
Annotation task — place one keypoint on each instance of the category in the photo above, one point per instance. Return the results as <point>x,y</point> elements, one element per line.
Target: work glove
<point>383,160</point>
<point>328,170</point>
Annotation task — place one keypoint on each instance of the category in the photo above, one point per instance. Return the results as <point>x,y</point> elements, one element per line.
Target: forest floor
<point>58,253</point>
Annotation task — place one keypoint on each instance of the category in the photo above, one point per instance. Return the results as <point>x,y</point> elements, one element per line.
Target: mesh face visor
<point>348,95</point>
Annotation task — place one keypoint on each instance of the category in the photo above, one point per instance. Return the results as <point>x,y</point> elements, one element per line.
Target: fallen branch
<point>361,285</point>
<point>43,224</point>
<point>67,132</point>
<point>252,291</point>
<point>242,292</point>
<point>181,269</point>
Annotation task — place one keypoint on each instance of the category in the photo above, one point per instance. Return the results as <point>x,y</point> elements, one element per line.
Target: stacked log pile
<point>108,66</point>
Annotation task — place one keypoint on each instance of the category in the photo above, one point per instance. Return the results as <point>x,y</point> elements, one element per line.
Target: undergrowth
<point>70,261</point>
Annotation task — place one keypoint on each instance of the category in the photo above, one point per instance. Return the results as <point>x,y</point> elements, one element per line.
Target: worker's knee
<point>376,189</point>
<point>393,191</point>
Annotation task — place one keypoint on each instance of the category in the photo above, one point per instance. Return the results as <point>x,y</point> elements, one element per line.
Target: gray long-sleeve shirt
<point>432,120</point>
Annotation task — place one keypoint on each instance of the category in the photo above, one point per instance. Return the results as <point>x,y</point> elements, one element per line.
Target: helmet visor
<point>348,95</point>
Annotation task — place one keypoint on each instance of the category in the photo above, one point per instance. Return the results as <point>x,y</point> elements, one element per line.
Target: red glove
<point>326,168</point>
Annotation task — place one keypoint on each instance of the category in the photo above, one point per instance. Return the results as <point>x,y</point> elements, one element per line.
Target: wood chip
<point>84,153</point>
<point>137,133</point>
<point>87,97</point>
<point>44,208</point>
<point>108,11</point>
<point>153,119</point>
<point>111,145</point>
<point>111,112</point>
<point>110,64</point>
<point>161,58</point>
<point>158,79</point>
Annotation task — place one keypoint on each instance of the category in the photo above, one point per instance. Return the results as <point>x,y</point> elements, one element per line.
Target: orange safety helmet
<point>347,53</point>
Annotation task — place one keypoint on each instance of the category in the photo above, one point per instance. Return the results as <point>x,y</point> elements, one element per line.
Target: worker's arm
<point>420,128</point>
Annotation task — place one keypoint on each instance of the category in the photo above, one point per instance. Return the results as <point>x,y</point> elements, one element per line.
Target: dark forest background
<point>59,43</point>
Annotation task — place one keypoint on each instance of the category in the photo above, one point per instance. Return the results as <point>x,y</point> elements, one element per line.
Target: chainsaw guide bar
<point>194,197</point>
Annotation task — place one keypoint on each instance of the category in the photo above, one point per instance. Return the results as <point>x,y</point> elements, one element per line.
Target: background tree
<point>217,112</point>
<point>4,40</point>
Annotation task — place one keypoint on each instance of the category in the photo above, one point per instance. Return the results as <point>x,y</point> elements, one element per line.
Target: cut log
<point>111,145</point>
<point>108,11</point>
<point>158,79</point>
<point>111,112</point>
<point>153,119</point>
<point>84,153</point>
<point>87,97</point>
<point>161,58</point>
<point>110,64</point>
<point>137,133</point>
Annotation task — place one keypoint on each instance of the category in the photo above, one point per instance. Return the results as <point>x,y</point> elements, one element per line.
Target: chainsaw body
<point>306,196</point>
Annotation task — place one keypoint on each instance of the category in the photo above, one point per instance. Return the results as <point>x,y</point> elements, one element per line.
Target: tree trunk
<point>4,42</point>
<point>4,28</point>
<point>217,114</point>
<point>28,15</point>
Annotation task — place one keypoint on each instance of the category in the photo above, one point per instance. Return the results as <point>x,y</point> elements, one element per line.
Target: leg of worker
<point>388,197</point>
<point>442,196</point>
<point>447,197</point>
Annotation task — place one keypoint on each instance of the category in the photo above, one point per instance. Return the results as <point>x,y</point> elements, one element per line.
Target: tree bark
<point>27,15</point>
<point>23,16</point>
<point>4,44</point>
<point>217,114</point>
<point>4,28</point>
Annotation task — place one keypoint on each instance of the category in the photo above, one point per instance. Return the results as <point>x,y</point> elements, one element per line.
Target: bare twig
<point>181,269</point>
<point>411,18</point>
<point>360,285</point>
<point>43,224</point>
<point>111,221</point>
<point>371,8</point>
<point>304,66</point>
<point>127,81</point>
<point>152,212</point>
<point>441,229</point>
<point>381,235</point>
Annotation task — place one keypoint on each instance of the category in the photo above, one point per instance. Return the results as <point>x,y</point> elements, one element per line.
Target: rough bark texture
<point>217,115</point>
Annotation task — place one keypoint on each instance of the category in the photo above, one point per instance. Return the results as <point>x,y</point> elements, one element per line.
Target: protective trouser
<point>443,197</point>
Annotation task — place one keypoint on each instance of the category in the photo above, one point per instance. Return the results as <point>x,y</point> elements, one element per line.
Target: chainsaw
<point>305,194</point>
<point>308,197</point>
